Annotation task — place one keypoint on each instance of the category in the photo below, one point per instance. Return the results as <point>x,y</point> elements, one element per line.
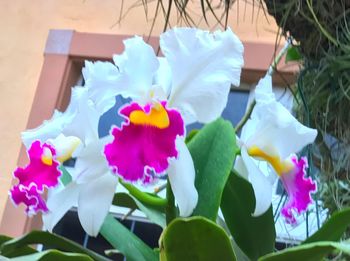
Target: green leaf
<point>333,228</point>
<point>191,135</point>
<point>195,238</point>
<point>125,241</point>
<point>152,213</point>
<point>310,252</point>
<point>213,151</point>
<point>254,235</point>
<point>124,200</point>
<point>53,254</point>
<point>240,255</point>
<point>65,178</point>
<point>25,250</point>
<point>49,240</point>
<point>293,55</point>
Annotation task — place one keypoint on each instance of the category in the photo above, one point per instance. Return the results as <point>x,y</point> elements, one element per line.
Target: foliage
<point>213,150</point>
<point>243,226</point>
<point>195,238</point>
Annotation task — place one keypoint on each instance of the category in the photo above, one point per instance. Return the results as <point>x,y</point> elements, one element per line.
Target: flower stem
<point>270,71</point>
<point>279,56</point>
<point>170,209</point>
<point>144,197</point>
<point>245,117</point>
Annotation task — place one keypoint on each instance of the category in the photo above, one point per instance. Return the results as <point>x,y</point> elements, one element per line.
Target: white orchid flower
<point>191,83</point>
<point>273,135</point>
<point>93,186</point>
<point>41,172</point>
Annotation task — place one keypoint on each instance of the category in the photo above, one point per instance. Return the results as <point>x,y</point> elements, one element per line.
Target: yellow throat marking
<point>157,117</point>
<point>72,144</point>
<point>46,157</point>
<point>279,166</point>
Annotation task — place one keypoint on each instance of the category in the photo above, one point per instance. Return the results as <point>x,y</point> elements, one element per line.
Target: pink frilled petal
<point>299,189</point>
<point>37,172</point>
<point>30,196</point>
<point>138,152</point>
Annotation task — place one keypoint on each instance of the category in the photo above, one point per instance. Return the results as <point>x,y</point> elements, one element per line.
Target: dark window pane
<point>69,227</point>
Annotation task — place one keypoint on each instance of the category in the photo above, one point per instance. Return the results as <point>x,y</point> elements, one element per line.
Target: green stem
<point>170,209</point>
<point>279,56</point>
<point>270,71</point>
<point>144,197</point>
<point>245,117</point>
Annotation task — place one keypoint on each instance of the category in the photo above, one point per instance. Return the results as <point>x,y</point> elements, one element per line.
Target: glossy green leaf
<point>133,248</point>
<point>25,250</point>
<point>195,238</point>
<point>213,151</point>
<point>240,255</point>
<point>50,255</point>
<point>293,55</point>
<point>254,235</point>
<point>151,212</point>
<point>333,228</point>
<point>49,240</point>
<point>310,252</point>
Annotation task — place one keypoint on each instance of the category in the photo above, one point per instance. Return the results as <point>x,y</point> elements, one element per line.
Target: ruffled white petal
<point>52,128</point>
<point>203,67</point>
<point>276,132</point>
<point>138,64</point>
<point>163,77</point>
<point>261,185</point>
<point>59,202</point>
<point>94,201</point>
<point>181,173</point>
<point>104,83</point>
<point>263,91</point>
<point>84,124</point>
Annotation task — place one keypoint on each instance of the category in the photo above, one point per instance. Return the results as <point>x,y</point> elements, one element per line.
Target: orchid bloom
<point>273,135</point>
<point>191,83</point>
<point>93,186</point>
<point>41,172</point>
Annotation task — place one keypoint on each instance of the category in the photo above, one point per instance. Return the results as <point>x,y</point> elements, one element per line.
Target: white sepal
<point>59,201</point>
<point>261,184</point>
<point>182,175</point>
<point>94,202</point>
